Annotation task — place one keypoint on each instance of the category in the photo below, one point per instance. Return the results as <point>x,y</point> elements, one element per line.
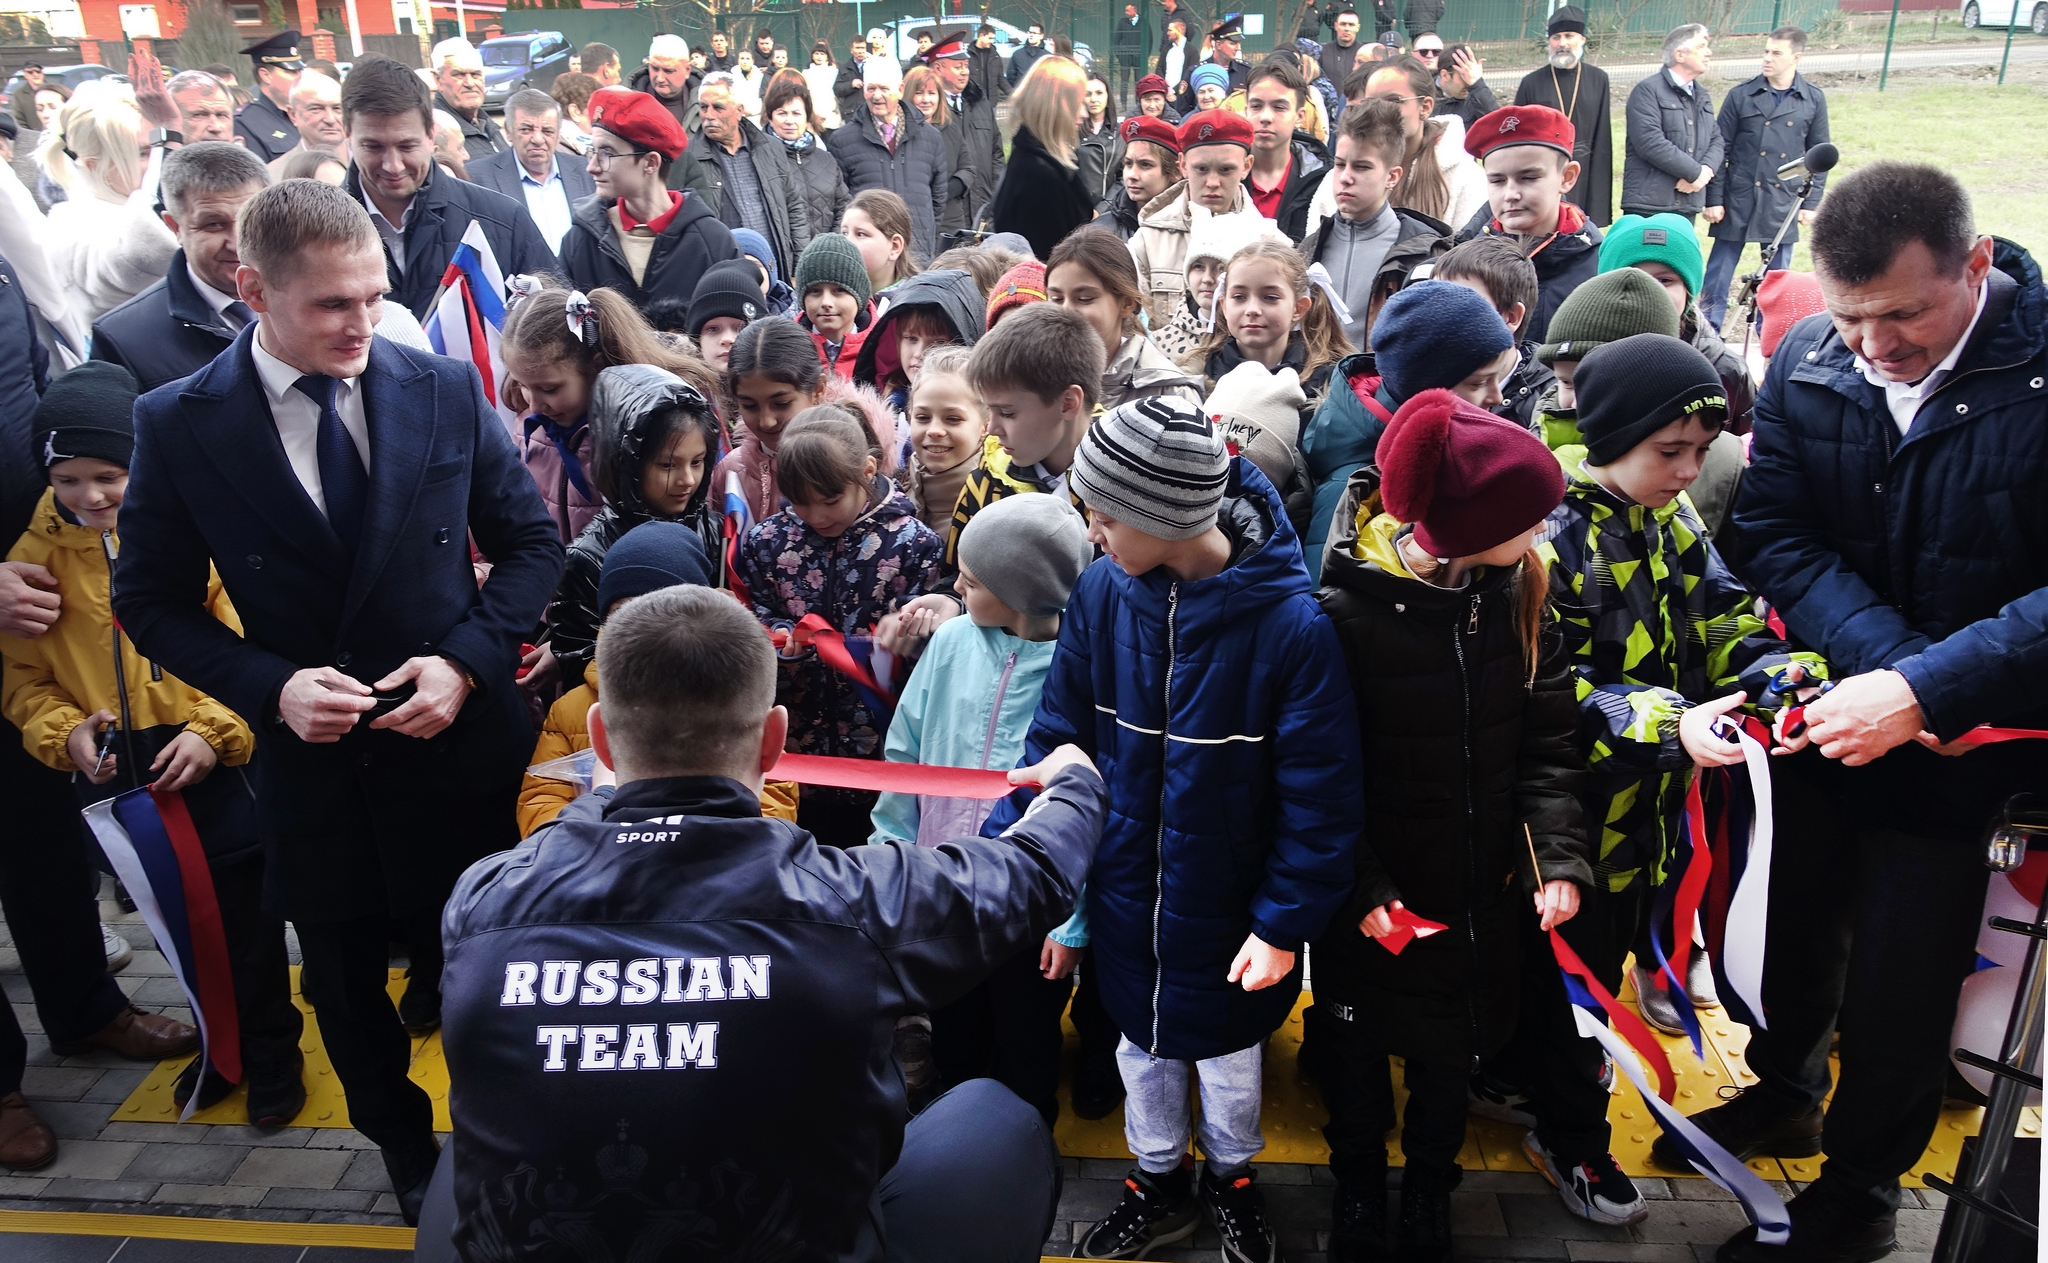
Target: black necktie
<point>344,483</point>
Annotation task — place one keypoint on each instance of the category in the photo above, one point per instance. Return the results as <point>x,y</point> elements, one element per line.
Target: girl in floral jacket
<point>850,548</point>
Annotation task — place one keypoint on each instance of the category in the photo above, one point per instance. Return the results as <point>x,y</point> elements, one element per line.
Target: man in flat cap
<point>265,123</point>
<point>1578,91</point>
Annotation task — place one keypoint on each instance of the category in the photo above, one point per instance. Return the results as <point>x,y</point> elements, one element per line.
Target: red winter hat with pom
<point>1468,480</point>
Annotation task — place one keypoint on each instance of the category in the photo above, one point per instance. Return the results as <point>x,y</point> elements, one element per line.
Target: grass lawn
<point>1988,135</point>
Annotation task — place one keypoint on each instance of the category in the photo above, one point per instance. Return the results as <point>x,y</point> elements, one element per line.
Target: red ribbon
<point>1987,735</point>
<point>899,778</point>
<point>1691,887</point>
<point>1623,1018</point>
<point>211,973</point>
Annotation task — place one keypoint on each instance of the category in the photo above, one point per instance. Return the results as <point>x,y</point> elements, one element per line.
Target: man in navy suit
<point>532,171</point>
<point>335,481</point>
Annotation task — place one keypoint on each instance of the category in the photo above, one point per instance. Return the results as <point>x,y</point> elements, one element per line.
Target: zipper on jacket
<point>1159,842</point>
<point>1471,825</point>
<point>995,712</point>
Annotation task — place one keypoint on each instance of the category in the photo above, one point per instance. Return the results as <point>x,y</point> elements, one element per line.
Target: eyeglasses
<point>604,155</point>
<point>1398,100</point>
<point>1428,52</point>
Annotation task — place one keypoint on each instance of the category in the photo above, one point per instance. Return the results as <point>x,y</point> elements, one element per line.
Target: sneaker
<point>1425,1235</point>
<point>215,1091</point>
<point>1749,1124</point>
<point>1156,1210</point>
<point>1595,1190</point>
<point>1656,1004</point>
<point>119,953</point>
<point>277,1091</point>
<point>1238,1209</point>
<point>1494,1098</point>
<point>1358,1219</point>
<point>1699,980</point>
<point>1606,1074</point>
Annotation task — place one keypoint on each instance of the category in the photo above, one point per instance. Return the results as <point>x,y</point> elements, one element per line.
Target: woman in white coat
<point>106,243</point>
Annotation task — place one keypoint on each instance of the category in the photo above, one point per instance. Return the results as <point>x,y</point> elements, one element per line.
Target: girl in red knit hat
<point>1467,711</point>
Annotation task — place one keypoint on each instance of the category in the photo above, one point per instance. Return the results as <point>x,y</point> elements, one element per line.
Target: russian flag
<point>155,849</point>
<point>468,315</point>
<point>738,520</point>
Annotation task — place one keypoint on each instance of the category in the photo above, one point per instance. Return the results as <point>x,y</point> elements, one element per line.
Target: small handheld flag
<point>467,318</point>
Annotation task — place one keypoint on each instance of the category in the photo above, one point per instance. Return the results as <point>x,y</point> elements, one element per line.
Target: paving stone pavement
<point>333,1175</point>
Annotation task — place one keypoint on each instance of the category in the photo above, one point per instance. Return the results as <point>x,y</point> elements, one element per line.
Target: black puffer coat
<point>824,184</point>
<point>918,172</point>
<point>621,404</point>
<point>1461,752</point>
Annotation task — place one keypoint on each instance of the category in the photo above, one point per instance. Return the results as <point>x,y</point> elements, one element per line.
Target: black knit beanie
<point>1632,388</point>
<point>732,288</point>
<point>89,411</point>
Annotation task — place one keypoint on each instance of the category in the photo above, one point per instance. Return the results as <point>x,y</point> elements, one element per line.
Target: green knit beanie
<point>832,258</point>
<point>1607,308</point>
<point>1663,238</point>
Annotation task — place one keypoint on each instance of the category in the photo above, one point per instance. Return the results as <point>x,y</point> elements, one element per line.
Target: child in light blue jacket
<point>969,704</point>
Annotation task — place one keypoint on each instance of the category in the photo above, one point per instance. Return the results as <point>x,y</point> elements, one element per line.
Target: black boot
<point>1750,1124</point>
<point>1358,1217</point>
<point>1098,1084</point>
<point>420,1007</point>
<point>1828,1226</point>
<point>1426,1212</point>
<point>410,1169</point>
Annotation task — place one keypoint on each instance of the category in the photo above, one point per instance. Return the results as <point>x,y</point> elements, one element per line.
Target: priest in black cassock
<point>1569,85</point>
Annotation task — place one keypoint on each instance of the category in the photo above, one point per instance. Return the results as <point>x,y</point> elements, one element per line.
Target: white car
<point>1009,39</point>
<point>2033,14</point>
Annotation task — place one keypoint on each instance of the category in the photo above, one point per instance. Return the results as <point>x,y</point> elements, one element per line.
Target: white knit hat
<point>1220,236</point>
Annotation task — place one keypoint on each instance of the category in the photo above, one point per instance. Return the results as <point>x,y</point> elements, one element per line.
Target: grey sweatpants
<point>1156,1109</point>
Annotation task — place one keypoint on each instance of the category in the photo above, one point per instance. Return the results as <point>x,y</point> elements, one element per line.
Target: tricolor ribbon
<point>738,520</point>
<point>1586,992</point>
<point>1748,915</point>
<point>869,667</point>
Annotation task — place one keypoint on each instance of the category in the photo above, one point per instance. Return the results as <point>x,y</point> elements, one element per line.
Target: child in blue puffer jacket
<point>969,704</point>
<point>1197,670</point>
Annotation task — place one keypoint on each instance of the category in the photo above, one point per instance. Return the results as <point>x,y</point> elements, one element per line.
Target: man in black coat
<point>669,78</point>
<point>974,140</point>
<point>986,66</point>
<point>335,482</point>
<point>788,965</point>
<point>910,162</point>
<point>1026,56</point>
<point>1578,90</point>
<point>1340,55</point>
<point>1766,123</point>
<point>178,325</point>
<point>459,92</point>
<point>421,213</point>
<point>1895,470</point>
<point>754,184</point>
<point>265,123</point>
<point>1674,144</point>
<point>636,235</point>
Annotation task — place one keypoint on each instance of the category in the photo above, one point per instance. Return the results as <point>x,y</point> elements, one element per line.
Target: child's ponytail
<point>1532,608</point>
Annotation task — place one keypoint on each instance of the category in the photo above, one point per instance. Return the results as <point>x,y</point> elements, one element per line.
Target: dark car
<point>529,59</point>
<point>70,76</point>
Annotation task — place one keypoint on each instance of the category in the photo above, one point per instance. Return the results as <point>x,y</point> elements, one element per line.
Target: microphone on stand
<point>1820,158</point>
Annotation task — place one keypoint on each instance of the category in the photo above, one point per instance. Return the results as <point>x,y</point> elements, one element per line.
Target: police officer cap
<point>1231,27</point>
<point>281,50</point>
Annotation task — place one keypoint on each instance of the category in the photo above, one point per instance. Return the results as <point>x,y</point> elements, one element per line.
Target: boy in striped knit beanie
<point>1197,668</point>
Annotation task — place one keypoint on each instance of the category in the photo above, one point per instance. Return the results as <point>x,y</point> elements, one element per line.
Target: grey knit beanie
<point>1156,464</point>
<point>831,257</point>
<point>1029,550</point>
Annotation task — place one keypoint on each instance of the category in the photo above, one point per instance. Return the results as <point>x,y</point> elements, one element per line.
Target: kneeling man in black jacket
<point>669,1021</point>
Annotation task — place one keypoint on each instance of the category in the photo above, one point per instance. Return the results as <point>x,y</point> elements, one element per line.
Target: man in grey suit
<point>532,171</point>
<point>1674,144</point>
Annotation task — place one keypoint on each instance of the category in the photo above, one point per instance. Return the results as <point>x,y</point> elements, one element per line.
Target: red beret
<point>1521,125</point>
<point>1150,84</point>
<point>1145,127</point>
<point>638,118</point>
<point>1468,480</point>
<point>1214,127</point>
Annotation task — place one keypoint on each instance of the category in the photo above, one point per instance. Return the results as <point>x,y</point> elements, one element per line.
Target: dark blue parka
<point>1220,716</point>
<point>1927,554</point>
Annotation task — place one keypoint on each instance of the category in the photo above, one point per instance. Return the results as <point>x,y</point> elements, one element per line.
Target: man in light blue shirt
<point>532,171</point>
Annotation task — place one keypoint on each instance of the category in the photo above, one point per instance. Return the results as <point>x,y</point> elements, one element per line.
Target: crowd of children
<point>1372,598</point>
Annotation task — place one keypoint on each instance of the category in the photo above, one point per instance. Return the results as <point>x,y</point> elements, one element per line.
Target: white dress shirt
<point>298,418</point>
<point>1904,398</point>
<point>547,202</point>
<point>393,235</point>
<point>216,300</point>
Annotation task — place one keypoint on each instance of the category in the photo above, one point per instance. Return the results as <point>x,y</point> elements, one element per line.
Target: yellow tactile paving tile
<point>1293,1116</point>
<point>325,1107</point>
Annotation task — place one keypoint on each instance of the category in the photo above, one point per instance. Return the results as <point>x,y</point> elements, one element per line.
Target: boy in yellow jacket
<point>651,556</point>
<point>89,704</point>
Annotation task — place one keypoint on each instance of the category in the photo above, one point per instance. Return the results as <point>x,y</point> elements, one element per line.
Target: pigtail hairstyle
<point>1321,332</point>
<point>824,451</point>
<point>594,331</point>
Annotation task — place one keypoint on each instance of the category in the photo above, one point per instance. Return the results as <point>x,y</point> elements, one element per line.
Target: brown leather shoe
<point>138,1036</point>
<point>25,1143</point>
